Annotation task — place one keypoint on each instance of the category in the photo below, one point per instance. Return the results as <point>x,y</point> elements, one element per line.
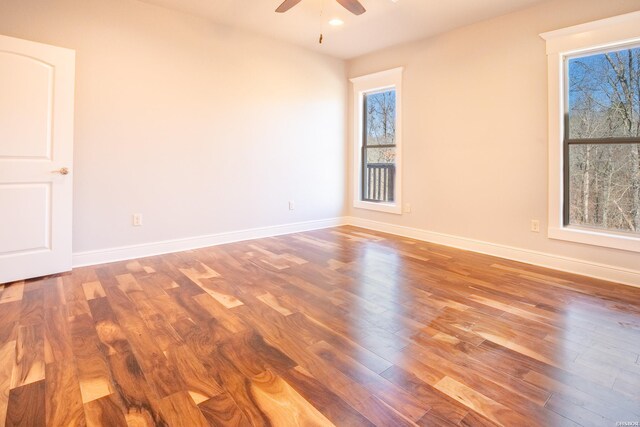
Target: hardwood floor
<point>332,327</point>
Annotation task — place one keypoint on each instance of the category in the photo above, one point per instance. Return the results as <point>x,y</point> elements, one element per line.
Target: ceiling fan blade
<point>286,5</point>
<point>353,6</point>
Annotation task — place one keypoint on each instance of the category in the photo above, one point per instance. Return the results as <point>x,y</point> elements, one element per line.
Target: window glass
<point>602,180</point>
<point>379,149</point>
<point>603,140</point>
<point>380,108</point>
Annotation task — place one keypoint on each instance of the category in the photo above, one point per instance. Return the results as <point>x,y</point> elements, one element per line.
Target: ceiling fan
<point>352,6</point>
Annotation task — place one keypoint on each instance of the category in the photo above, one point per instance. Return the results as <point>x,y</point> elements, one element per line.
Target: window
<point>602,139</point>
<point>594,132</point>
<point>379,146</point>
<point>377,137</point>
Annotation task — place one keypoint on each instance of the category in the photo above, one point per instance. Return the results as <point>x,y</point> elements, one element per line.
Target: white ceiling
<point>384,24</point>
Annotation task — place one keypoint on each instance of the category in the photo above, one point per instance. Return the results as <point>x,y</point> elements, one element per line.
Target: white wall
<point>475,129</point>
<point>200,128</point>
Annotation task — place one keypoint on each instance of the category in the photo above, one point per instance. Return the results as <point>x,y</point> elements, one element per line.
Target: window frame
<point>371,83</point>
<point>562,45</point>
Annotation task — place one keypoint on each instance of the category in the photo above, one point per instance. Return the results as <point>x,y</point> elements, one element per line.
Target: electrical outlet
<point>292,205</point>
<point>136,220</point>
<point>407,208</point>
<point>535,226</point>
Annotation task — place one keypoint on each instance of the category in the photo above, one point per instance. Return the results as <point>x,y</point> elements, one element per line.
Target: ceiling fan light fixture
<point>353,6</point>
<point>336,22</point>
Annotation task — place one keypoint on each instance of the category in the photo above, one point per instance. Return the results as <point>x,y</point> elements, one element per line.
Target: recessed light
<point>336,22</point>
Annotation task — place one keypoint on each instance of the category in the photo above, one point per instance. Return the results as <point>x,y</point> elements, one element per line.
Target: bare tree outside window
<point>379,146</point>
<point>602,141</point>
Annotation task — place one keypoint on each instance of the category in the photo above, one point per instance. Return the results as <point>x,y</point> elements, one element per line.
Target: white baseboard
<point>103,256</point>
<point>571,265</point>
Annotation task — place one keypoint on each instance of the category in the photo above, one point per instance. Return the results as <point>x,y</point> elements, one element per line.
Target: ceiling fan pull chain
<point>321,23</point>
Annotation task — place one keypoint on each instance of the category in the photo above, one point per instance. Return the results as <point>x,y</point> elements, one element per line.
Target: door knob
<point>62,171</point>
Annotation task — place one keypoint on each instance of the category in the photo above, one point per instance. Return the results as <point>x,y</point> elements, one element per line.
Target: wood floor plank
<point>163,377</point>
<point>32,311</point>
<point>179,410</point>
<point>239,388</point>
<point>200,384</point>
<point>200,277</point>
<point>582,415</point>
<point>53,289</point>
<point>476,401</point>
<point>29,356</point>
<point>441,405</point>
<point>11,292</point>
<point>282,404</point>
<point>7,363</point>
<point>73,293</point>
<point>450,354</point>
<point>386,391</point>
<point>27,405</point>
<point>430,419</point>
<point>132,391</point>
<point>93,290</point>
<point>63,400</point>
<point>327,402</point>
<point>273,302</point>
<point>9,317</point>
<point>104,411</point>
<point>93,371</point>
<point>229,321</point>
<point>108,328</point>
<point>57,335</point>
<point>163,333</point>
<point>222,410</point>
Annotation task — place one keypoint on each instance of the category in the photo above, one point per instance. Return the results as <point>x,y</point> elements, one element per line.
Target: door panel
<point>26,86</point>
<point>36,142</point>
<point>35,232</point>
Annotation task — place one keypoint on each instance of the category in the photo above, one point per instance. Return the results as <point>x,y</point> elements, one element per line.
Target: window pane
<point>604,95</point>
<point>604,186</point>
<point>380,117</point>
<point>379,174</point>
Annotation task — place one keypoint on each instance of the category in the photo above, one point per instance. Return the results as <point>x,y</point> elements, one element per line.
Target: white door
<point>36,150</point>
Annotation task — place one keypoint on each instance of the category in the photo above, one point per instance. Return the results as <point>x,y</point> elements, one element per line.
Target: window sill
<point>596,238</point>
<point>393,208</point>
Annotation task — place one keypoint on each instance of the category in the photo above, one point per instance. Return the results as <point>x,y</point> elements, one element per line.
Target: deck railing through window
<point>379,182</point>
